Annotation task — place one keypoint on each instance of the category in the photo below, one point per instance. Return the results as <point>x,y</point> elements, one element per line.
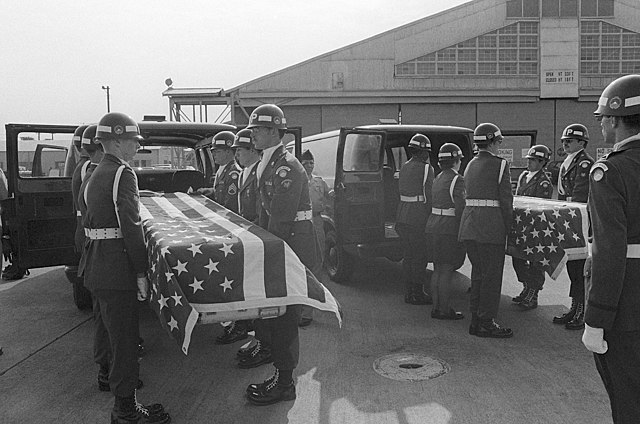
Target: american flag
<point>548,232</point>
<point>205,258</point>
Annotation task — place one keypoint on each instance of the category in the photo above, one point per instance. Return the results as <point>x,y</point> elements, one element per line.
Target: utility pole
<point>107,88</point>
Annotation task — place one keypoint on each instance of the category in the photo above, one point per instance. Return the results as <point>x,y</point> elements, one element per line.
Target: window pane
<point>448,55</point>
<point>589,68</point>
<point>486,68</point>
<point>528,54</point>
<point>528,68</point>
<point>407,68</point>
<point>487,41</point>
<point>612,29</point>
<point>466,55</point>
<point>631,54</point>
<point>511,29</point>
<point>610,67</point>
<point>610,40</point>
<point>528,41</point>
<point>466,68</point>
<point>610,54</point>
<point>508,68</point>
<point>427,58</point>
<point>631,40</point>
<point>590,40</point>
<point>528,27</point>
<point>425,68</point>
<point>550,8</point>
<point>362,152</point>
<point>589,8</point>
<point>590,27</point>
<point>508,41</point>
<point>514,9</point>
<point>467,43</point>
<point>568,8</point>
<point>605,7</point>
<point>446,68</point>
<point>487,55</point>
<point>531,8</point>
<point>510,54</point>
<point>630,67</point>
<point>590,54</point>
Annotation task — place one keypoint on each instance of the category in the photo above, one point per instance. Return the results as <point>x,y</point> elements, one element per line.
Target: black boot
<point>271,391</point>
<point>530,300</point>
<point>577,323</point>
<point>234,332</point>
<point>126,410</point>
<point>519,298</point>
<point>259,356</point>
<point>245,352</point>
<point>492,329</point>
<point>565,318</point>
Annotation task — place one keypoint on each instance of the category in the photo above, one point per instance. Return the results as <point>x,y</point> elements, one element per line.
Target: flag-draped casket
<point>204,259</point>
<point>548,232</point>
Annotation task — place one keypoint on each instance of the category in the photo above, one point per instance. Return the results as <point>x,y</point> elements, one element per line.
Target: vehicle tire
<point>338,263</point>
<point>81,296</point>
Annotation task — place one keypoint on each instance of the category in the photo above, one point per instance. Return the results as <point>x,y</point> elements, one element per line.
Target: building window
<point>568,8</point>
<point>523,8</point>
<point>608,49</point>
<point>511,50</point>
<point>596,8</point>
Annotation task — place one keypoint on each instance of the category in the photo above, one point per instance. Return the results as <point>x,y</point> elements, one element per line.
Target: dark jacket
<point>113,263</point>
<point>448,193</point>
<point>538,186</point>
<point>225,189</point>
<point>88,168</point>
<point>248,196</point>
<point>575,179</point>
<point>613,297</point>
<point>412,183</point>
<point>487,177</point>
<point>284,191</point>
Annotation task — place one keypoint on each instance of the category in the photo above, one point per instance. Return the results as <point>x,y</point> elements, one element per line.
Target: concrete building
<point>526,65</point>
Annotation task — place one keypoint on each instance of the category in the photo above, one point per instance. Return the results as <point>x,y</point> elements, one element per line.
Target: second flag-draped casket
<point>208,264</point>
<point>548,232</point>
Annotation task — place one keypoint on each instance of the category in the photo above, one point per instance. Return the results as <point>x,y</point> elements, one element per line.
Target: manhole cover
<point>410,367</point>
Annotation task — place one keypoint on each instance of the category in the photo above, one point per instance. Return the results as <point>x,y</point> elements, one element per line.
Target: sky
<point>57,55</point>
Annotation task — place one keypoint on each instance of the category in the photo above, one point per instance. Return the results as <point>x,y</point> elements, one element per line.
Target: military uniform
<point>484,225</point>
<point>530,273</point>
<point>613,296</point>
<point>114,254</point>
<point>248,196</point>
<point>415,184</point>
<point>444,222</point>
<point>78,176</point>
<point>320,200</point>
<point>286,213</point>
<point>225,186</point>
<point>574,186</point>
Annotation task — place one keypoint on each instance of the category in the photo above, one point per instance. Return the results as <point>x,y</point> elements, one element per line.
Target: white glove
<point>593,339</point>
<point>143,287</point>
<point>586,271</point>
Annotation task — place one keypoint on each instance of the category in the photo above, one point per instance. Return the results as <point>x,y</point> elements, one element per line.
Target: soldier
<point>442,228</point>
<point>573,185</point>
<point>114,262</point>
<point>533,182</point>
<point>612,317</point>
<point>320,202</point>
<point>286,213</point>
<point>225,183</point>
<point>415,183</point>
<point>79,172</point>
<point>484,226</point>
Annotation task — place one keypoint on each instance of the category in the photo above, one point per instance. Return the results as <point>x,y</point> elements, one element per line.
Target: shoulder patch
<point>545,184</point>
<point>598,170</point>
<point>585,164</point>
<point>283,171</point>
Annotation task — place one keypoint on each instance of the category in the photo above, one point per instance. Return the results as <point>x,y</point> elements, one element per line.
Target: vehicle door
<point>359,186</point>
<point>39,216</point>
<point>294,134</point>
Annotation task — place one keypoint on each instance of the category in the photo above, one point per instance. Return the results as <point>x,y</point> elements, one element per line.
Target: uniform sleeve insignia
<point>232,190</point>
<point>286,183</point>
<point>585,164</point>
<point>598,171</point>
<point>545,184</point>
<point>234,175</point>
<point>283,171</point>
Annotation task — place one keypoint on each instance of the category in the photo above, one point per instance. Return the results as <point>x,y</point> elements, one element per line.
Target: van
<point>362,166</point>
